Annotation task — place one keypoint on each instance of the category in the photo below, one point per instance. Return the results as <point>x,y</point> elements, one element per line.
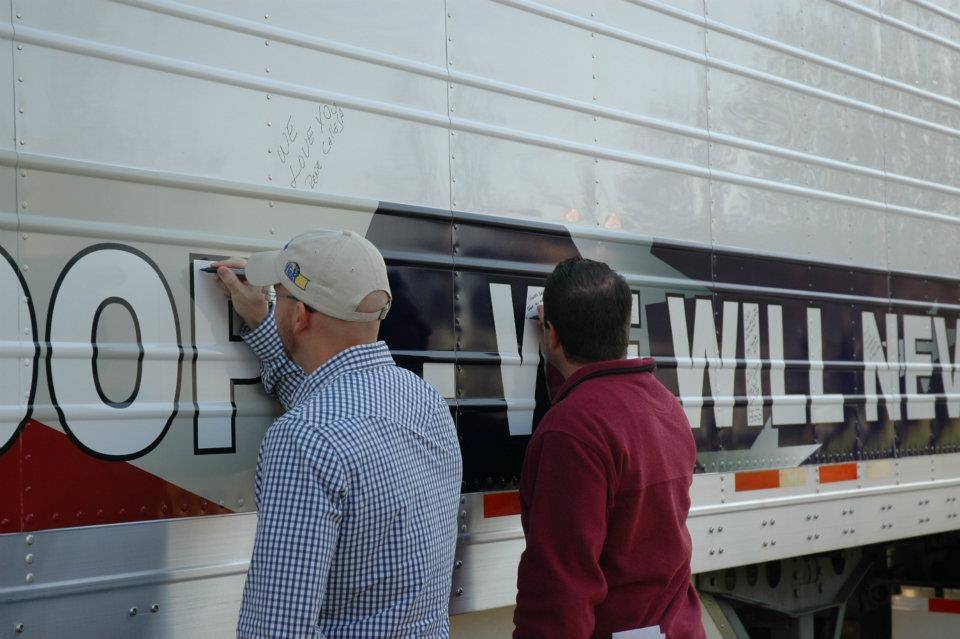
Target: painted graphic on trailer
<point>140,401</point>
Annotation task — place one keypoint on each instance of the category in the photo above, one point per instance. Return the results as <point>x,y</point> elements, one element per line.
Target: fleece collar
<point>601,369</point>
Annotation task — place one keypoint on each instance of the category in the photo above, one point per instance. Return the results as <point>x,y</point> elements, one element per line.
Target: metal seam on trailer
<point>155,177</point>
<point>122,580</point>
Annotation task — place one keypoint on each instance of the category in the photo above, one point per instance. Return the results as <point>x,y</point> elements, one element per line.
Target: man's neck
<point>568,368</point>
<point>320,354</point>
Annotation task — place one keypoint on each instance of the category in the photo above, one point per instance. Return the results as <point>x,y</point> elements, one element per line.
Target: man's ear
<point>553,337</point>
<point>302,320</point>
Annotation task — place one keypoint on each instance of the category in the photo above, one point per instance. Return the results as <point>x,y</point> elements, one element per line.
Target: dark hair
<point>588,304</point>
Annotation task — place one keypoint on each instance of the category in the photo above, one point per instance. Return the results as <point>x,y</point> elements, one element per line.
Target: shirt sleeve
<point>560,582</point>
<point>280,375</point>
<point>302,485</point>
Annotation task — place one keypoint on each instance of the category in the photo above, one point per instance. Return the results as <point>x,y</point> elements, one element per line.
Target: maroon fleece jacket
<point>604,496</point>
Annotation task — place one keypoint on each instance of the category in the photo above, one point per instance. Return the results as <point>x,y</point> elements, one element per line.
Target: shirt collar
<point>353,359</point>
<point>598,369</point>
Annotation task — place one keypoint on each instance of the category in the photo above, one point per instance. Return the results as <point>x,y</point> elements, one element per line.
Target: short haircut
<point>588,304</point>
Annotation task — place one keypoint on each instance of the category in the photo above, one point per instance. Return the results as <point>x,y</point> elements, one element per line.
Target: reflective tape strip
<point>793,477</point>
<point>879,469</point>
<point>501,504</point>
<point>944,605</point>
<point>765,479</point>
<point>838,472</point>
<point>757,480</point>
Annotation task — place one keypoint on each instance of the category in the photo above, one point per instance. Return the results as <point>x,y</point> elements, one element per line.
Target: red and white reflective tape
<point>504,504</point>
<point>924,604</point>
<point>793,477</point>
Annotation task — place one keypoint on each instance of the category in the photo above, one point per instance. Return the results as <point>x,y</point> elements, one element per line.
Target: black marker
<point>239,272</point>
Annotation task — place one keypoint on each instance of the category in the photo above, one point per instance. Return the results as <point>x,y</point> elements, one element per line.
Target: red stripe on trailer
<point>944,605</point>
<point>63,486</point>
<point>838,472</point>
<point>501,504</point>
<point>757,480</point>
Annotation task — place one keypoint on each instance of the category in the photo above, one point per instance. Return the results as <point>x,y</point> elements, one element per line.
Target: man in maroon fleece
<point>605,485</point>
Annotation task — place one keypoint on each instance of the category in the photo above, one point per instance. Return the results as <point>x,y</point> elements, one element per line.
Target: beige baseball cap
<point>329,271</point>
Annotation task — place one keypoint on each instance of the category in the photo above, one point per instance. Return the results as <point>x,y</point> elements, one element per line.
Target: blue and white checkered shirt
<point>358,488</point>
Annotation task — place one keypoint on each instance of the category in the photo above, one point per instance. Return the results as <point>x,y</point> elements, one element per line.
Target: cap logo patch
<point>292,271</point>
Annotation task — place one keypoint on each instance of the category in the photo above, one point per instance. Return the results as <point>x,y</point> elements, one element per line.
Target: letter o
<point>99,275</point>
<point>16,312</point>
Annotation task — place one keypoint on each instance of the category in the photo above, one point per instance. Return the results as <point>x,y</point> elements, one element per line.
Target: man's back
<point>386,453</point>
<point>606,495</point>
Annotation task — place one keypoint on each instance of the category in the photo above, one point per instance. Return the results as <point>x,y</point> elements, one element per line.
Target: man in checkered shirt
<point>358,483</point>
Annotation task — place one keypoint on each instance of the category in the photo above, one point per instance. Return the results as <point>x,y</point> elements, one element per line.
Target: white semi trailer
<point>778,180</point>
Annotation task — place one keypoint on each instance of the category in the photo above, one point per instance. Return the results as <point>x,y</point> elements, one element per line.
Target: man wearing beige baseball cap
<point>358,483</point>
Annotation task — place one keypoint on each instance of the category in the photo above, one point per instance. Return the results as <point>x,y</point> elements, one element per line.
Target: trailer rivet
<point>463,528</point>
<point>133,611</point>
<point>266,16</point>
<point>271,205</point>
<point>18,628</point>
<point>24,204</point>
<point>155,608</point>
<point>19,16</point>
<point>20,109</point>
<point>719,529</point>
<point>720,551</point>
<point>29,577</point>
<point>22,142</point>
<point>29,540</point>
<point>19,47</point>
<point>19,78</point>
<point>459,592</point>
<point>29,558</point>
<point>268,69</point>
<point>712,552</point>
<point>458,564</point>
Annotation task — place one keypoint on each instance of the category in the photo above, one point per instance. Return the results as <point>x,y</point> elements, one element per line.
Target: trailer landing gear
<point>797,598</point>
